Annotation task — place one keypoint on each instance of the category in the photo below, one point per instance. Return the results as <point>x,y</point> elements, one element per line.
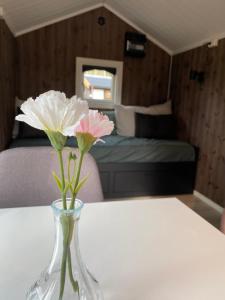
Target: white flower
<point>53,112</point>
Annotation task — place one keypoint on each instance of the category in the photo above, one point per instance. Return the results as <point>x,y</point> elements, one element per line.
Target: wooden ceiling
<point>176,25</point>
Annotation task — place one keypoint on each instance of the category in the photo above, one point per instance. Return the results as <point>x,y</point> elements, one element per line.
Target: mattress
<point>120,149</point>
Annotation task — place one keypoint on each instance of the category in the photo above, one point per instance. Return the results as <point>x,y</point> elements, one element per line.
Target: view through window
<point>98,84</point>
<point>99,81</point>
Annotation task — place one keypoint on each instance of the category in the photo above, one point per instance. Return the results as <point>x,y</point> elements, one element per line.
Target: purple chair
<point>26,177</point>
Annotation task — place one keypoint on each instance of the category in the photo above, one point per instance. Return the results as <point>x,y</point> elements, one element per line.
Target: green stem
<point>63,271</point>
<point>67,229</point>
<point>65,223</point>
<point>73,282</point>
<point>68,175</point>
<point>68,170</point>
<point>59,152</point>
<point>71,229</point>
<point>77,179</point>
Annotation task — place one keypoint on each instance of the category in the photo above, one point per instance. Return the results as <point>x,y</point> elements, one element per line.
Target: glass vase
<point>66,277</point>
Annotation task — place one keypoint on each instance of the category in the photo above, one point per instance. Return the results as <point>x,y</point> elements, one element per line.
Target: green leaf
<point>68,185</point>
<point>71,188</point>
<point>81,183</point>
<point>57,180</point>
<point>72,156</point>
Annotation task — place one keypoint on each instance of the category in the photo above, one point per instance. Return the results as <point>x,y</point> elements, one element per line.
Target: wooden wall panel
<point>46,58</point>
<point>201,114</point>
<point>7,84</point>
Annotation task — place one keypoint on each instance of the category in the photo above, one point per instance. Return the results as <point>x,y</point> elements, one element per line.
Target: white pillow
<point>160,109</point>
<point>125,116</point>
<point>15,131</point>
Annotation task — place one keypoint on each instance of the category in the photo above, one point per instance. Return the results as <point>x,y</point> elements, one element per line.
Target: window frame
<point>117,83</point>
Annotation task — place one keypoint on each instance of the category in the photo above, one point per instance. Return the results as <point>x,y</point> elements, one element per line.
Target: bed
<point>132,166</point>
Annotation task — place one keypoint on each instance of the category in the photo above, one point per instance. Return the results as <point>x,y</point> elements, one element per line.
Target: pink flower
<point>96,124</point>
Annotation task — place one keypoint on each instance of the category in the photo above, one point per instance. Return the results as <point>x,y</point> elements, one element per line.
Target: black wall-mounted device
<point>101,20</point>
<point>134,44</point>
<point>197,76</point>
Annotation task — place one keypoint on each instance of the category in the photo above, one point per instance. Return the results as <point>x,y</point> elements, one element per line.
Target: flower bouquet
<point>66,277</point>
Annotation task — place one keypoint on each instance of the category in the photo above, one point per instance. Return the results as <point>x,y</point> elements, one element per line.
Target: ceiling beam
<point>55,20</point>
<point>129,22</point>
<point>82,11</point>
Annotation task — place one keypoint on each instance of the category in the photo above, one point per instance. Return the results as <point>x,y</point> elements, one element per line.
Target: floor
<point>200,207</point>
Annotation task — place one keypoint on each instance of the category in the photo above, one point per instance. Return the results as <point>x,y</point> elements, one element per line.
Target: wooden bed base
<point>139,179</point>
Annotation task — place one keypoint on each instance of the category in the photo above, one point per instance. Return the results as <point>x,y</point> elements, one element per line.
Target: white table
<point>139,250</point>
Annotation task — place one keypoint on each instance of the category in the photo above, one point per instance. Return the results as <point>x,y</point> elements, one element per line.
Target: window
<point>99,81</point>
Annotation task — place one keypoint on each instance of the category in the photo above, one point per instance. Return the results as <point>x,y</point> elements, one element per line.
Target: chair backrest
<point>222,222</point>
<point>26,177</point>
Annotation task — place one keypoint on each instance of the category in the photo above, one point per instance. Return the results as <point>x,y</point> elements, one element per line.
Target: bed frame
<point>139,179</point>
